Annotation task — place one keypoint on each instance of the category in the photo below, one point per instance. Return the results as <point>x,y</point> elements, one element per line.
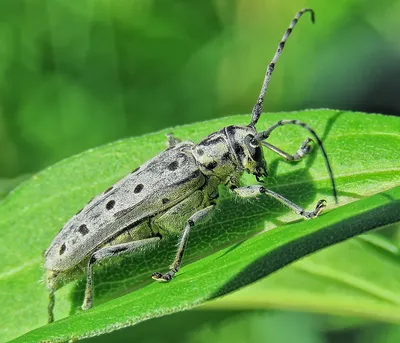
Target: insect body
<point>171,193</point>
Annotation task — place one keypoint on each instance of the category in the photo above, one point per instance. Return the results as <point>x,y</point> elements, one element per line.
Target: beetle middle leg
<point>104,253</point>
<point>253,191</point>
<point>304,149</point>
<point>182,246</point>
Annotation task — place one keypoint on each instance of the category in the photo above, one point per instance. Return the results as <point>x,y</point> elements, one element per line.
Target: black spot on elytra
<point>108,189</point>
<point>165,200</point>
<point>134,171</point>
<point>83,230</point>
<point>62,249</point>
<point>138,188</point>
<point>173,166</point>
<point>211,165</point>
<point>200,152</point>
<point>110,204</point>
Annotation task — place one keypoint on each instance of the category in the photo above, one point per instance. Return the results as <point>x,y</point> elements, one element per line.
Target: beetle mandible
<point>171,193</point>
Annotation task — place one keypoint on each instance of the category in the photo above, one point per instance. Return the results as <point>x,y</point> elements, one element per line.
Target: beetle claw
<point>162,277</point>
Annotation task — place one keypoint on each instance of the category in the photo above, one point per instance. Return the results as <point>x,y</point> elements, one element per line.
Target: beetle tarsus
<point>163,277</point>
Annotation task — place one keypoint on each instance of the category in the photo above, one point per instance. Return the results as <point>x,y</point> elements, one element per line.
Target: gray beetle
<point>171,193</point>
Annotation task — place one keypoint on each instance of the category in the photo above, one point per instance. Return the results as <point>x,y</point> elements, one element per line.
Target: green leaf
<point>380,334</point>
<point>195,326</point>
<point>354,289</point>
<point>6,185</point>
<point>361,148</point>
<point>253,327</point>
<point>230,269</point>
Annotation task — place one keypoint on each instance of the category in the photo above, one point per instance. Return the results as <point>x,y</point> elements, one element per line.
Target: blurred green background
<point>78,74</point>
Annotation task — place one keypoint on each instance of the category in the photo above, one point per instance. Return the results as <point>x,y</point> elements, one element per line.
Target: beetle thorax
<point>229,152</point>
<point>215,157</point>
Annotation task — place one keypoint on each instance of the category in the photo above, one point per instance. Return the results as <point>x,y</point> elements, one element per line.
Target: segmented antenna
<point>265,134</point>
<point>257,109</point>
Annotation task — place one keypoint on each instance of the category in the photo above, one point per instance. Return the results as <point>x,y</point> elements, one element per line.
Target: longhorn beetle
<point>171,193</point>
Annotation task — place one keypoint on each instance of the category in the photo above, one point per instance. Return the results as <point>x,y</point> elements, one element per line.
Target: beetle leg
<point>182,245</point>
<point>253,191</point>
<point>172,140</point>
<point>104,253</point>
<point>51,281</point>
<point>304,149</point>
<point>50,307</point>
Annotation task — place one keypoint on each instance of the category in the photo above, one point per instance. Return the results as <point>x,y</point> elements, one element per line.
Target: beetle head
<point>247,150</point>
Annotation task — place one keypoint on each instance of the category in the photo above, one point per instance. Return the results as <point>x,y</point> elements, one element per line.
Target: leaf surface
<point>361,149</point>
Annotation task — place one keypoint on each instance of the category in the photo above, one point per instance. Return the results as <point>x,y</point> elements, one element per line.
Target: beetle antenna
<point>257,109</point>
<point>260,137</point>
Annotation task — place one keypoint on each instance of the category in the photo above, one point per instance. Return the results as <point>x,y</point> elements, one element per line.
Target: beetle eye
<point>254,144</point>
<point>257,154</point>
<point>251,142</point>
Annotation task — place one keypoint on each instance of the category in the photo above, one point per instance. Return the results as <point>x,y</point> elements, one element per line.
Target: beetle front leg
<point>182,246</point>
<point>104,253</point>
<point>304,149</point>
<point>253,191</point>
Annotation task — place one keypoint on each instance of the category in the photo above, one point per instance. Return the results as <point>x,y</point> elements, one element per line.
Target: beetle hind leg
<point>51,281</point>
<point>50,307</point>
<point>104,253</point>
